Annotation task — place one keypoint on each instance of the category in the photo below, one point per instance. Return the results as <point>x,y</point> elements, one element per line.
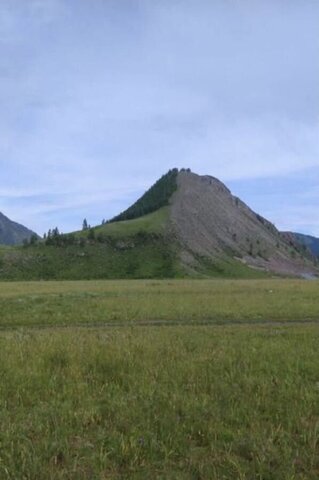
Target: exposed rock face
<point>12,233</point>
<point>210,222</point>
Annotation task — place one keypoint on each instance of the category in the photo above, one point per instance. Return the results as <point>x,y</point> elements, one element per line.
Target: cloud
<point>100,98</point>
<point>290,201</point>
<point>256,148</point>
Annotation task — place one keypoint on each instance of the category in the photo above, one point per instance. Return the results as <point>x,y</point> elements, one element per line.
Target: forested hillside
<point>156,197</point>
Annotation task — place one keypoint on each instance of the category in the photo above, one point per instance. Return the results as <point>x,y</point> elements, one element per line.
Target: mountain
<point>12,233</point>
<point>212,224</point>
<point>307,242</point>
<point>185,225</point>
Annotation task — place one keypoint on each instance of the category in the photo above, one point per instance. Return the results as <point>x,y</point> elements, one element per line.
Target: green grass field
<point>159,380</point>
<point>151,301</point>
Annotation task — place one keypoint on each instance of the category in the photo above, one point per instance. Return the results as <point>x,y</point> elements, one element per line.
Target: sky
<point>98,98</point>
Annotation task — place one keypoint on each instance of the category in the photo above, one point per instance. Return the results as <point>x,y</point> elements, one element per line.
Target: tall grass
<point>160,403</point>
<point>235,399</point>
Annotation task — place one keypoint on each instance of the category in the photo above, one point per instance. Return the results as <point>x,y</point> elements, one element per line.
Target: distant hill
<point>308,241</point>
<point>12,233</point>
<point>185,225</point>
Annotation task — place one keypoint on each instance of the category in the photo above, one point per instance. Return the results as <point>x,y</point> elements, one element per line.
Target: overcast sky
<point>98,98</point>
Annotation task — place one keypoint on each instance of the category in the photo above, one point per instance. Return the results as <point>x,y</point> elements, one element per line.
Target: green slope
<point>136,257</point>
<point>154,222</point>
<point>137,248</point>
<point>149,259</point>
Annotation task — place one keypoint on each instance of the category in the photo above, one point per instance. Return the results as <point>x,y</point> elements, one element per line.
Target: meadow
<point>159,380</point>
<point>127,302</point>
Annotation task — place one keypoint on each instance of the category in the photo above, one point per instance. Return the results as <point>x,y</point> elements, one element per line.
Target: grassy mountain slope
<point>149,258</point>
<point>136,248</point>
<point>12,233</point>
<point>155,222</point>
